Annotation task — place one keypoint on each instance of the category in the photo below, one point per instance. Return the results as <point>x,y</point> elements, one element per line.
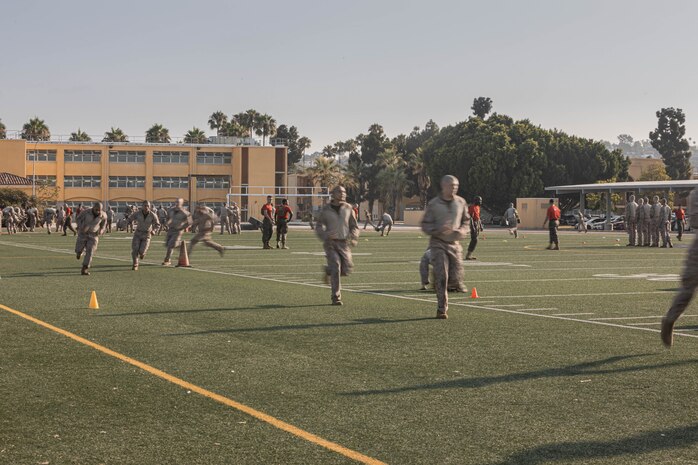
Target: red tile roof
<point>8,179</point>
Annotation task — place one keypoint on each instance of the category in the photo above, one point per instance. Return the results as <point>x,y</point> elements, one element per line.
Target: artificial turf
<point>527,374</point>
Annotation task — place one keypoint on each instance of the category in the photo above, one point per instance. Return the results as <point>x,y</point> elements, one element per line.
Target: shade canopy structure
<point>9,179</point>
<point>634,186</point>
<point>612,187</point>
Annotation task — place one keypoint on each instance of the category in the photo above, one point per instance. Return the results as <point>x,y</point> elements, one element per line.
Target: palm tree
<point>247,120</point>
<point>3,130</point>
<point>80,136</point>
<point>392,184</point>
<point>232,129</point>
<point>158,134</point>
<point>354,180</point>
<point>217,121</point>
<point>35,130</point>
<point>115,135</point>
<point>266,126</point>
<point>325,172</point>
<point>419,169</point>
<point>195,136</point>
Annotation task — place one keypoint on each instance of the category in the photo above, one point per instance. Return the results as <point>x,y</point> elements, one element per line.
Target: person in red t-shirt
<point>268,222</point>
<point>68,223</point>
<point>475,226</point>
<point>552,217</point>
<point>284,214</point>
<point>680,221</point>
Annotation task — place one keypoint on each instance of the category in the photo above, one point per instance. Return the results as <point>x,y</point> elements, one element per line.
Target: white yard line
<point>638,317</point>
<point>537,309</point>
<point>393,296</point>
<point>646,324</point>
<point>570,314</point>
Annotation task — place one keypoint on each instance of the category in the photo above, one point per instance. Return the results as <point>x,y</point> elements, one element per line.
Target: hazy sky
<point>332,68</point>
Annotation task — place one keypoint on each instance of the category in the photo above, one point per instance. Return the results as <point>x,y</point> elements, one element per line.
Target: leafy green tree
<point>325,172</point>
<point>329,151</point>
<point>372,144</point>
<point>391,181</point>
<point>670,141</point>
<point>266,127</point>
<point>418,168</point>
<point>3,130</point>
<point>195,136</point>
<point>36,130</point>
<point>248,120</point>
<point>13,197</point>
<point>655,173</point>
<point>80,136</point>
<point>355,179</point>
<point>481,107</point>
<point>232,129</point>
<point>217,122</point>
<point>501,159</point>
<point>115,135</point>
<point>157,134</point>
<point>296,145</point>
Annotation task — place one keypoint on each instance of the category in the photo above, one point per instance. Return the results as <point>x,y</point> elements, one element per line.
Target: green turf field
<point>559,361</point>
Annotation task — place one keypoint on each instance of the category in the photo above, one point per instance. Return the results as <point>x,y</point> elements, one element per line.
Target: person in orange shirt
<point>552,217</point>
<point>475,226</point>
<point>284,214</point>
<point>680,221</point>
<point>268,222</point>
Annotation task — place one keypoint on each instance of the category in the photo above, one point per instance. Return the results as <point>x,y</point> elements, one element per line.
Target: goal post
<point>301,199</point>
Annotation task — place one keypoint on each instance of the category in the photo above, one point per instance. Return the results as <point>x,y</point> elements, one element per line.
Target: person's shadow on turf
<point>580,369</point>
<point>643,443</point>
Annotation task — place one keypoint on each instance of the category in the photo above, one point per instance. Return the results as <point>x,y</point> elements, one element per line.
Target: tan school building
<point>126,173</point>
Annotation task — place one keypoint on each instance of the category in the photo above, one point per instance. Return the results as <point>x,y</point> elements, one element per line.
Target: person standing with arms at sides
<point>581,222</point>
<point>110,218</point>
<point>225,219</point>
<point>60,218</point>
<point>654,221</point>
<point>234,214</point>
<point>446,221</point>
<point>147,223</point>
<point>162,219</point>
<point>178,220</point>
<point>369,219</point>
<point>689,277</point>
<point>646,221</point>
<point>511,216</point>
<point>552,217</point>
<point>475,226</point>
<point>91,223</point>
<point>680,221</point>
<point>665,224</point>
<point>68,223</point>
<point>639,218</point>
<point>267,222</point>
<point>338,230</point>
<point>283,216</point>
<point>631,220</point>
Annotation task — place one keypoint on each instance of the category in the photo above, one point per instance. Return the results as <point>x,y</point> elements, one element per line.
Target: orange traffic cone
<point>183,257</point>
<point>94,305</point>
<point>473,294</point>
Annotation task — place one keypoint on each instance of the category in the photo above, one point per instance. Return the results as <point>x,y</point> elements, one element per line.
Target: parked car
<point>568,220</point>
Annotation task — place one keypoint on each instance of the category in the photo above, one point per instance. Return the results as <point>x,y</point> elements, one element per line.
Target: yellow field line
<point>282,425</point>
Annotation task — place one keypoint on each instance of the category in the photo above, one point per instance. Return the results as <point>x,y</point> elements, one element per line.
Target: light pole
<point>36,143</point>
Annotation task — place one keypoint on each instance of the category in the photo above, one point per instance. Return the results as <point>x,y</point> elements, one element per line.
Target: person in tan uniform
<point>178,220</point>
<point>204,228</point>
<point>91,224</point>
<point>639,221</point>
<point>689,278</point>
<point>447,221</point>
<point>646,221</point>
<point>146,223</point>
<point>654,221</point>
<point>665,224</point>
<point>631,220</point>
<point>338,229</point>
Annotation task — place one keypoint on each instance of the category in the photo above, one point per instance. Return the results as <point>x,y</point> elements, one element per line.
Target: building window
<point>213,158</point>
<point>45,180</point>
<point>170,182</point>
<point>127,156</point>
<point>85,156</point>
<point>41,155</point>
<point>82,181</point>
<point>171,157</point>
<point>127,181</point>
<point>212,182</point>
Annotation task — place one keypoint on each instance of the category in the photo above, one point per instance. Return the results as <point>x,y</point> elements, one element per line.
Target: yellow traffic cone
<point>94,305</point>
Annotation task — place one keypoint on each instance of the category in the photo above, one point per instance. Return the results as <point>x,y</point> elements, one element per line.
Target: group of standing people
<point>648,223</point>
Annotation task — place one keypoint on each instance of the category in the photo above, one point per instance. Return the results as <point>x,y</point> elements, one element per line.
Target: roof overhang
<point>637,186</point>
